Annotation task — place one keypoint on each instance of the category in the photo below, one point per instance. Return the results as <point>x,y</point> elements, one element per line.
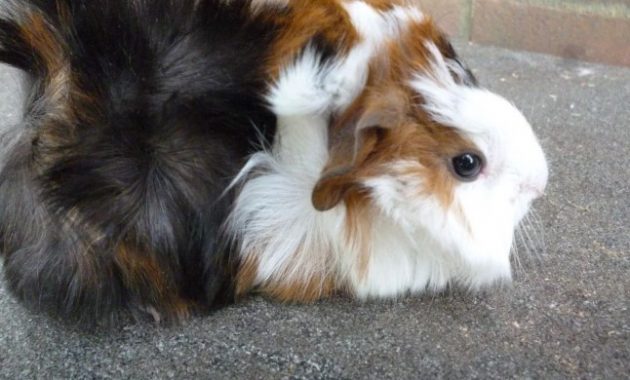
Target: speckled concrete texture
<point>565,316</point>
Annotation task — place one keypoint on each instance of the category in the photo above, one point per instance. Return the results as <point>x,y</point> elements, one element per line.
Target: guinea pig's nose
<point>536,182</point>
<point>536,191</point>
<point>534,187</point>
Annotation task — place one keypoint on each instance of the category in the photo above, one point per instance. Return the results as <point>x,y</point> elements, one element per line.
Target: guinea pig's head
<point>454,166</point>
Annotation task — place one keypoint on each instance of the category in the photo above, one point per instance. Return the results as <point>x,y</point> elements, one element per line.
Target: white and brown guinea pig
<point>391,170</point>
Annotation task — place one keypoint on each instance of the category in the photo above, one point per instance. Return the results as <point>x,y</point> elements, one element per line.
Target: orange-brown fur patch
<point>385,5</point>
<point>141,272</point>
<point>303,20</point>
<point>359,217</point>
<point>246,276</point>
<point>62,101</point>
<point>38,33</point>
<point>298,290</point>
<point>309,290</point>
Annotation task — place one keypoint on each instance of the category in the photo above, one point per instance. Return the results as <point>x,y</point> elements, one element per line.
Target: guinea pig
<point>138,116</point>
<point>392,171</point>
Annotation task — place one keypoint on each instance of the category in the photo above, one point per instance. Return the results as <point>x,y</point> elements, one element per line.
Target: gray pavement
<point>565,316</point>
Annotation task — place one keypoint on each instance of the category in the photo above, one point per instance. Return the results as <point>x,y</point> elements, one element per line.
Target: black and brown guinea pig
<point>177,152</point>
<point>113,187</point>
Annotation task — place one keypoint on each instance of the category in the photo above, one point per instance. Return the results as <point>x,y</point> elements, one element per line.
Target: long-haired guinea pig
<point>391,171</point>
<point>138,116</point>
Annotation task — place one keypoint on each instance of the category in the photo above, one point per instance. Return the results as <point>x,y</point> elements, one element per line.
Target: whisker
<point>529,241</point>
<point>518,266</point>
<point>539,228</point>
<point>523,243</point>
<point>538,233</point>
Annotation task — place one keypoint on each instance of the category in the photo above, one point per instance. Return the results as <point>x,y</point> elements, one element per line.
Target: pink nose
<point>535,184</point>
<point>542,184</point>
<point>536,190</point>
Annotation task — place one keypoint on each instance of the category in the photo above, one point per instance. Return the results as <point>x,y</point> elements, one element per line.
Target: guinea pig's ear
<point>332,187</point>
<point>354,138</point>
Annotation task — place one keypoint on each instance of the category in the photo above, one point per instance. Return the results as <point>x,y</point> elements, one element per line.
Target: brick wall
<point>593,30</point>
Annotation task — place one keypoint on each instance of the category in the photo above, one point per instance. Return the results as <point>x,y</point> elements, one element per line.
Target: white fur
<point>415,243</point>
<point>452,248</point>
<point>273,216</point>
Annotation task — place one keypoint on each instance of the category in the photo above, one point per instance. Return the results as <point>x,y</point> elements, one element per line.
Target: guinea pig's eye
<point>467,166</point>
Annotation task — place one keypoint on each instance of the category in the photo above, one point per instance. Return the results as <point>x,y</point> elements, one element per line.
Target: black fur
<point>164,101</point>
<point>449,52</point>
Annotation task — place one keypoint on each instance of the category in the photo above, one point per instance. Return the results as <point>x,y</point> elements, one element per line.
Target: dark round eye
<point>467,166</point>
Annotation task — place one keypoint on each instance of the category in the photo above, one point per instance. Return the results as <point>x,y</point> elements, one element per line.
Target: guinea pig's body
<point>139,114</point>
<point>392,171</point>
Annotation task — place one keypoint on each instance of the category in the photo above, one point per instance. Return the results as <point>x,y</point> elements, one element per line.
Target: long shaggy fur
<point>138,116</point>
<point>358,193</point>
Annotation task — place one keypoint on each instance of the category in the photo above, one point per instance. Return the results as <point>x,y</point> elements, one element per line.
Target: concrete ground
<point>565,316</point>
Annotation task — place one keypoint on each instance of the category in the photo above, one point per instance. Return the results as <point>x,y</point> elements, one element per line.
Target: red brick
<point>451,15</point>
<point>563,33</point>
